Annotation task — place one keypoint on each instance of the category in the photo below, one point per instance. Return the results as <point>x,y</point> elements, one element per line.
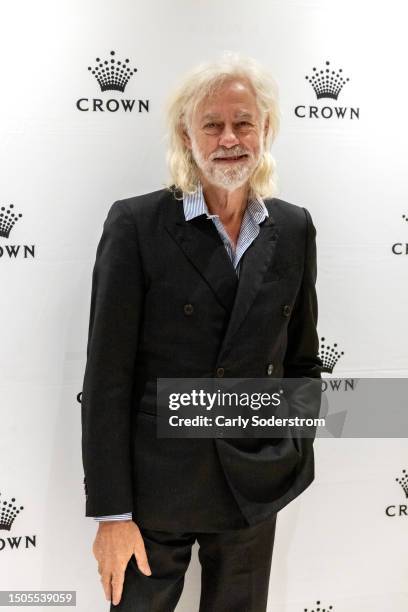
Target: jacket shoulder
<point>286,212</point>
<point>294,221</point>
<point>146,203</point>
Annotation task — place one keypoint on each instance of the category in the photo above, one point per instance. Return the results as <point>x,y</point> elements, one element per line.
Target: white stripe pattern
<point>255,212</point>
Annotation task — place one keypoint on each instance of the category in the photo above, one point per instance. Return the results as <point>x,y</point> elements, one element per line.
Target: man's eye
<point>244,123</point>
<point>210,125</point>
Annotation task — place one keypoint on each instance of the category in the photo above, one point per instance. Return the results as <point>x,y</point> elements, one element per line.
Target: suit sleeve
<point>116,305</point>
<point>301,358</point>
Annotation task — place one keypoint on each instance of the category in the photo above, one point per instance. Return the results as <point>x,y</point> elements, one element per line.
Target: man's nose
<point>228,138</point>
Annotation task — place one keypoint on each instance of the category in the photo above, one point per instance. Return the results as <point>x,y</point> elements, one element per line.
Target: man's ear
<point>266,126</point>
<point>185,136</point>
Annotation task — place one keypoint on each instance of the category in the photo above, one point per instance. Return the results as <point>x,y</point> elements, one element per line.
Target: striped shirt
<point>255,212</point>
<point>195,205</point>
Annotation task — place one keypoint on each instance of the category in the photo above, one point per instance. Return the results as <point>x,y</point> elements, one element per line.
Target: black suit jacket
<point>150,263</point>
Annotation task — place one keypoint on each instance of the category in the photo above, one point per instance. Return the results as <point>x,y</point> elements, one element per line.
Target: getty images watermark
<point>279,407</point>
<point>237,407</point>
<point>220,403</point>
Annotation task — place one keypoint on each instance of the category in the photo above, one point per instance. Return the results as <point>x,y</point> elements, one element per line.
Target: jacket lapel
<point>203,246</point>
<point>254,263</point>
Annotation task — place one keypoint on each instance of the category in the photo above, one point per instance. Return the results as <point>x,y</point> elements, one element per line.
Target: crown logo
<point>8,512</point>
<point>329,356</point>
<point>327,83</point>
<point>7,220</point>
<point>403,481</point>
<point>112,74</point>
<point>319,608</point>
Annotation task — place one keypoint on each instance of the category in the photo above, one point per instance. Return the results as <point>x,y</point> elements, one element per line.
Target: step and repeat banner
<point>71,144</point>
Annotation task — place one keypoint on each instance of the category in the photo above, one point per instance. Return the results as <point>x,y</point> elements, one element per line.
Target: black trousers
<point>235,570</point>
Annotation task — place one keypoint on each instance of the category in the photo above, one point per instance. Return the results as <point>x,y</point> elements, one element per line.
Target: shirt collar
<point>194,205</point>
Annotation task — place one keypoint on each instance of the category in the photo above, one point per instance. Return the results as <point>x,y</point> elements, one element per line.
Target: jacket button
<point>220,372</point>
<point>270,369</point>
<point>188,309</point>
<point>286,310</point>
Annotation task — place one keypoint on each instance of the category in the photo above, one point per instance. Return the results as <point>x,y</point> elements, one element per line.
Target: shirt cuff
<point>115,517</point>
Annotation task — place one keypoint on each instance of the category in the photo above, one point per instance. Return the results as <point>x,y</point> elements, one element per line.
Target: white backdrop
<point>62,168</point>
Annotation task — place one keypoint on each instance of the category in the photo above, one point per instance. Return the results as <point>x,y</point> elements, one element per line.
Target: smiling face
<point>226,136</point>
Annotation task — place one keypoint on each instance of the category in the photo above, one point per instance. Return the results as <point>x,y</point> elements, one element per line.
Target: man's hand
<point>115,543</point>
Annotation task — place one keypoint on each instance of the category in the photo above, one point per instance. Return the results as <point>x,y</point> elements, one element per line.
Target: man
<point>210,277</point>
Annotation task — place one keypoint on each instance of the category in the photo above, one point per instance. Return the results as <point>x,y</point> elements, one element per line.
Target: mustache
<point>230,153</point>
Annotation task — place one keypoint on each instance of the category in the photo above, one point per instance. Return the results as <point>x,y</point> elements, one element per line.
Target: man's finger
<point>142,562</point>
<point>106,583</point>
<point>117,588</point>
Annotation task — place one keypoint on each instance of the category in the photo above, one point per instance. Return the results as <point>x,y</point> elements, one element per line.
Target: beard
<point>227,175</point>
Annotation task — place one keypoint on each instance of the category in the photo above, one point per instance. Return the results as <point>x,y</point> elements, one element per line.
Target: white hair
<point>204,80</point>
